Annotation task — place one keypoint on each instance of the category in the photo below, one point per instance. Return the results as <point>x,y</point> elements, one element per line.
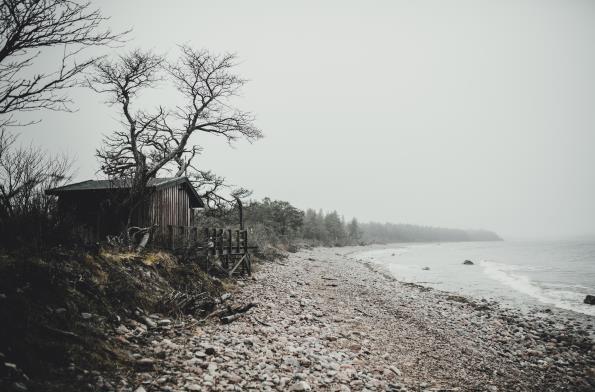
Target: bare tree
<point>29,26</point>
<point>215,191</point>
<point>25,173</point>
<point>163,140</point>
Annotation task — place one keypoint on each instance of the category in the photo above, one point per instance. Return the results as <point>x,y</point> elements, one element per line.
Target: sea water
<point>522,274</point>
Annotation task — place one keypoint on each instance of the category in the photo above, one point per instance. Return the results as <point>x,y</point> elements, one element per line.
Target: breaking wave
<point>568,297</point>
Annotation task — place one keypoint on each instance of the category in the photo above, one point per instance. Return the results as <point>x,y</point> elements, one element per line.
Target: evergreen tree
<point>335,229</point>
<point>354,232</point>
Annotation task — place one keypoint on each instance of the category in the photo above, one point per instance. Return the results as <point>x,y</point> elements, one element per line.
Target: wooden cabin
<point>91,205</point>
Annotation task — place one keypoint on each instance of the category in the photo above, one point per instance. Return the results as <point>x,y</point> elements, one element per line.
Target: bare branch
<point>28,27</point>
<point>25,173</point>
<point>163,140</point>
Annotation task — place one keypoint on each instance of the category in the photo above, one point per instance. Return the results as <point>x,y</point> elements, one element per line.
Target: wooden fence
<point>222,248</point>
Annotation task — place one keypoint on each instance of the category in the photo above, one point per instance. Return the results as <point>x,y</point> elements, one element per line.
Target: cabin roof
<point>104,185</point>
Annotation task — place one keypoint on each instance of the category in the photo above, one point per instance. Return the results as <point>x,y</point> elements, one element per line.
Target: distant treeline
<point>390,232</point>
<point>275,222</point>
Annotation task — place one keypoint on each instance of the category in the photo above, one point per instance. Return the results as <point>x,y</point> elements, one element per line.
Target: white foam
<point>564,299</point>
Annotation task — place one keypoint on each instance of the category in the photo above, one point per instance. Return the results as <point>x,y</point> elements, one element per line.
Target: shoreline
<point>527,306</point>
<point>325,321</point>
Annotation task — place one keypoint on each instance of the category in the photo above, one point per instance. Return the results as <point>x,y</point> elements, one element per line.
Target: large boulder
<point>468,262</point>
<point>590,300</point>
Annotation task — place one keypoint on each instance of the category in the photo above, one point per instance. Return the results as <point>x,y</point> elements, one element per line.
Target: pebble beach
<point>326,321</point>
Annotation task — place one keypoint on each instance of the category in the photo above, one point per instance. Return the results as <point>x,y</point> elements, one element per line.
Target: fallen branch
<point>245,308</point>
<point>229,319</point>
<point>344,336</point>
<point>234,314</point>
<point>261,322</point>
<point>62,332</point>
<point>362,312</point>
<point>215,313</point>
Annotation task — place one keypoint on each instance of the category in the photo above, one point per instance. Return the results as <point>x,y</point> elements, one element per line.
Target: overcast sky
<point>467,114</point>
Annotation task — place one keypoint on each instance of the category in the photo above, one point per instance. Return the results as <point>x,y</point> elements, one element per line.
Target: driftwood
<point>144,233</point>
<point>229,319</point>
<point>62,332</point>
<point>261,322</point>
<point>229,314</point>
<point>143,242</point>
<point>234,314</point>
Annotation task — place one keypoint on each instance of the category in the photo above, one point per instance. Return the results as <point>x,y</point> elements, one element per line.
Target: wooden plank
<point>206,243</point>
<point>237,265</point>
<point>245,234</point>
<point>220,242</point>
<point>228,241</point>
<point>237,241</point>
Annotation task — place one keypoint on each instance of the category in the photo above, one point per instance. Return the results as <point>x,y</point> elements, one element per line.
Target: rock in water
<point>426,268</point>
<point>468,262</point>
<point>590,300</point>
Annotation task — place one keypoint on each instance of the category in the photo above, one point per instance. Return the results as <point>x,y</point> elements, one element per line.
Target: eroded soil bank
<point>326,321</point>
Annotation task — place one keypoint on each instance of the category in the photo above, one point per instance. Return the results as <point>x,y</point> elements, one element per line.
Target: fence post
<point>229,241</point>
<point>206,242</point>
<point>237,241</point>
<point>245,233</point>
<point>220,243</point>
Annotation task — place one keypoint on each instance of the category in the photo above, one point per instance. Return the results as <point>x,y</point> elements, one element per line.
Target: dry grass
<point>118,257</point>
<point>150,259</point>
<point>99,276</point>
<point>164,259</point>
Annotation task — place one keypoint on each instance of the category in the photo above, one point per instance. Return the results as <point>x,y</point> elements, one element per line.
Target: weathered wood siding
<point>94,214</point>
<point>169,206</point>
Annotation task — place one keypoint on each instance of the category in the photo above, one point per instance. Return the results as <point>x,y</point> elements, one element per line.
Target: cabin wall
<point>94,216</point>
<point>168,206</point>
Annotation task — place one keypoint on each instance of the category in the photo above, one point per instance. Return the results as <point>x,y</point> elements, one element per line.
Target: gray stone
<point>150,323</point>
<point>145,363</point>
<point>164,322</point>
<point>300,386</point>
<point>210,351</point>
